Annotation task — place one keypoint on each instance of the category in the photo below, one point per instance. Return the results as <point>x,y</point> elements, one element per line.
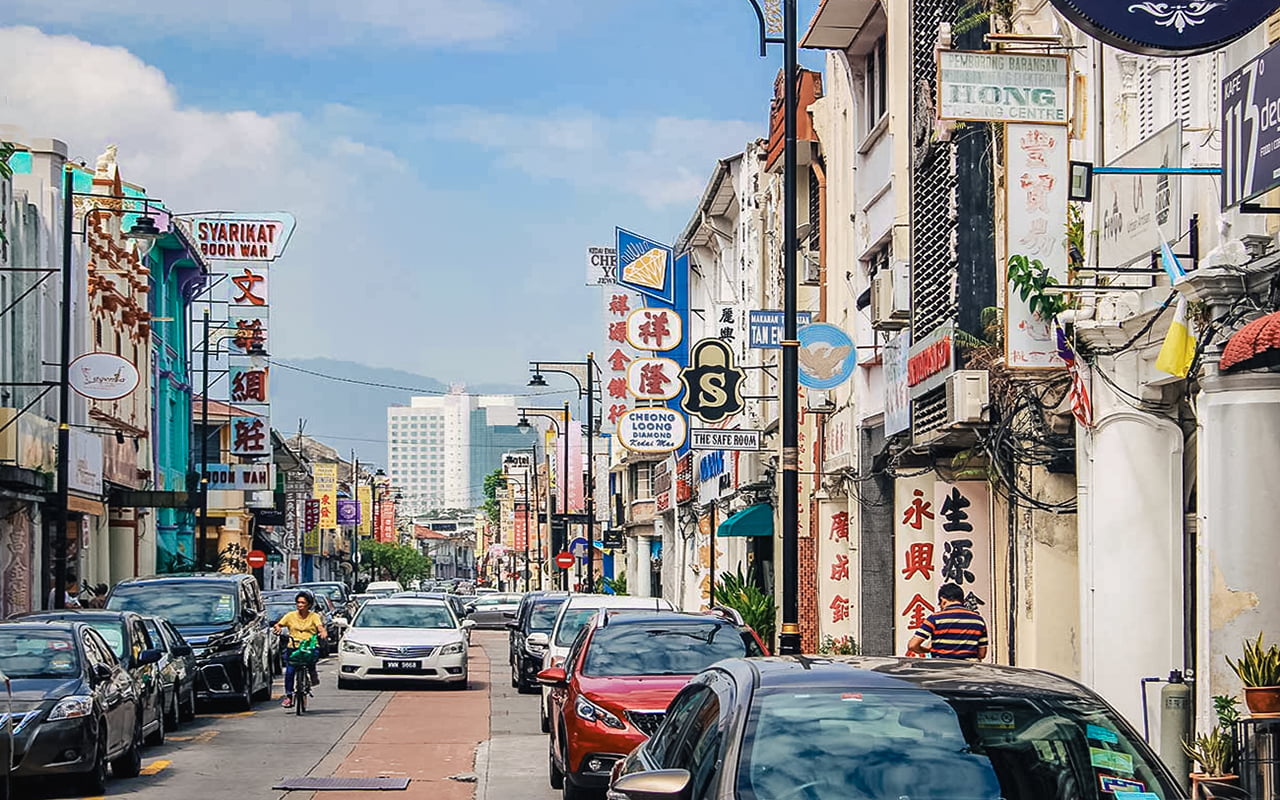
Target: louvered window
<point>815,215</point>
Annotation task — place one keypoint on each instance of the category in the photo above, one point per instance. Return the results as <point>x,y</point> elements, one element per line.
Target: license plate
<point>402,666</point>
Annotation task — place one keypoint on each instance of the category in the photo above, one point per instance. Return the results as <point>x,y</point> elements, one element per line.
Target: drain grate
<point>340,784</point>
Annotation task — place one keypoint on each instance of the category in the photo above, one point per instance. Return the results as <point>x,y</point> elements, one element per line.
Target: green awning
<point>754,520</point>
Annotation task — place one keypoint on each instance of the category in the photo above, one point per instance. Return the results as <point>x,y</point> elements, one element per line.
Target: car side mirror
<point>149,656</point>
<point>513,625</point>
<point>468,623</point>
<point>658,784</point>
<point>470,609</point>
<point>537,639</point>
<point>101,673</point>
<point>553,676</point>
<point>182,650</point>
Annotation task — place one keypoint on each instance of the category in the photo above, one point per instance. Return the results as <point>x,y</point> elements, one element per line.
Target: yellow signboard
<point>324,487</point>
<point>364,494</point>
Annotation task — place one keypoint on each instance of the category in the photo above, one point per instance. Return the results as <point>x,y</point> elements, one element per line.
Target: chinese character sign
<point>248,332</point>
<point>653,378</point>
<point>837,585</point>
<point>520,530</point>
<point>364,495</point>
<point>654,329</point>
<point>250,436</point>
<point>1036,225</point>
<point>915,566</point>
<point>325,490</point>
<point>962,542</point>
<point>617,354</point>
<point>248,383</point>
<point>386,521</point>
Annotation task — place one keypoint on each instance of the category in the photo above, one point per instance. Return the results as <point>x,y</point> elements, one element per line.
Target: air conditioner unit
<point>887,312</point>
<point>968,395</point>
<point>810,270</point>
<point>819,401</point>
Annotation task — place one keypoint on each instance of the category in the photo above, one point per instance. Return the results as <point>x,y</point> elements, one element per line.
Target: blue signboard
<point>827,356</point>
<point>764,328</point>
<point>1250,157</point>
<point>579,548</point>
<point>1167,29</point>
<point>646,266</point>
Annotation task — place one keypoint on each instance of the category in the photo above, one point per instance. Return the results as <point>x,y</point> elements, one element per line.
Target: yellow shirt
<point>301,629</point>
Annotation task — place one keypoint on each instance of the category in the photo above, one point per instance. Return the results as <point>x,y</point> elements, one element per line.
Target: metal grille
<point>646,722</point>
<point>815,212</point>
<point>928,413</point>
<point>402,652</point>
<point>1257,757</point>
<point>20,719</point>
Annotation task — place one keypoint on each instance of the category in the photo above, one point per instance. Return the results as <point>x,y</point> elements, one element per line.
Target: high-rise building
<point>439,448</point>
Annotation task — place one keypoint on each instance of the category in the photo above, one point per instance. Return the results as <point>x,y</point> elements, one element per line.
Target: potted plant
<point>1214,753</point>
<point>1259,671</point>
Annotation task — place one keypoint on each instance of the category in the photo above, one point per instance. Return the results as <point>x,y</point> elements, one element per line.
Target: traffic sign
<point>256,559</point>
<point>564,560</point>
<point>578,547</point>
<point>275,558</point>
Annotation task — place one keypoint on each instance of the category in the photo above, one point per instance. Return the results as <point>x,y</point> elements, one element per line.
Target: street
<point>452,745</point>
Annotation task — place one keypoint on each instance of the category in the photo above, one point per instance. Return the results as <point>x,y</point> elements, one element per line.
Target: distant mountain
<point>339,407</point>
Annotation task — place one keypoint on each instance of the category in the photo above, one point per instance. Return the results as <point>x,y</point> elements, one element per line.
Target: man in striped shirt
<point>953,631</point>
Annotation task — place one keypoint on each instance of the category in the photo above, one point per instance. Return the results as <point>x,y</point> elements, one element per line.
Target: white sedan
<point>404,638</point>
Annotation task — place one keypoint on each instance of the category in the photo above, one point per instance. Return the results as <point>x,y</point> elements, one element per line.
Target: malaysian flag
<point>1081,405</point>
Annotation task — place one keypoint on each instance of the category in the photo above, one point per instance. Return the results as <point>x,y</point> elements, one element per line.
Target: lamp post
<point>782,14</point>
<point>144,232</point>
<point>586,387</point>
<point>562,431</point>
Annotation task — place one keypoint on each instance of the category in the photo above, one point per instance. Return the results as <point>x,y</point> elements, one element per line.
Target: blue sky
<point>448,161</point>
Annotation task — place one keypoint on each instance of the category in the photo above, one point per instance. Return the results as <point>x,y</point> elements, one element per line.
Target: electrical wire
<point>415,389</point>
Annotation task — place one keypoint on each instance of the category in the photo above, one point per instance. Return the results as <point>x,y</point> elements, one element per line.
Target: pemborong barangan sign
<point>1002,87</point>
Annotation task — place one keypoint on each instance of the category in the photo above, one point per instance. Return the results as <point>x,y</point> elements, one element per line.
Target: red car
<point>612,691</point>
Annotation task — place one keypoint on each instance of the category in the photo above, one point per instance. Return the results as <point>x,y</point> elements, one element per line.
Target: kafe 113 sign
<point>1167,28</point>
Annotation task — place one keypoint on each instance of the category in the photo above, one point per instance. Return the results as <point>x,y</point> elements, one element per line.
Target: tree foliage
<point>492,483</point>
<point>395,562</point>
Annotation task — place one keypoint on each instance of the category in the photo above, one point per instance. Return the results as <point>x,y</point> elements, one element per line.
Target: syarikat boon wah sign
<point>261,237</point>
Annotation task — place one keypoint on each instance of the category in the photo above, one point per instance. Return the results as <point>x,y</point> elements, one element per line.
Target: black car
<point>337,591</point>
<point>6,736</point>
<point>177,671</point>
<point>536,614</point>
<point>75,709</point>
<point>807,728</point>
<point>126,634</point>
<point>222,617</point>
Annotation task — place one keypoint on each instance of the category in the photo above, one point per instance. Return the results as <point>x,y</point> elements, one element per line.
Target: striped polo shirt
<point>954,632</point>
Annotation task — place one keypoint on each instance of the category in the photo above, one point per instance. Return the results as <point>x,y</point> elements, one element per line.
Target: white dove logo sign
<point>827,356</point>
<point>103,376</point>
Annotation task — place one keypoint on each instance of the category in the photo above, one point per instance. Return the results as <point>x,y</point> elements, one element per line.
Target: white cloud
<point>296,25</point>
<point>664,160</point>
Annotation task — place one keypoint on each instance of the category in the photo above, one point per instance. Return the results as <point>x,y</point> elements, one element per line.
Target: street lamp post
<point>563,432</point>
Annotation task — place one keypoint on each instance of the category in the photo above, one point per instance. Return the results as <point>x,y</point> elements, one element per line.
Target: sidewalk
<point>425,735</point>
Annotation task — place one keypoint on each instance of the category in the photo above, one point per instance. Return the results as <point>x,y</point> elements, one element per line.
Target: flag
<point>1081,405</point>
<point>1170,263</point>
<point>1179,348</point>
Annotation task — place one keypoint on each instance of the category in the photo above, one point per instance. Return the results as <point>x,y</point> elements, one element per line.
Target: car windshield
<point>663,648</point>
<point>37,654</point>
<point>112,630</point>
<point>181,603</point>
<point>926,746</point>
<point>334,593</point>
<point>407,615</point>
<point>543,617</point>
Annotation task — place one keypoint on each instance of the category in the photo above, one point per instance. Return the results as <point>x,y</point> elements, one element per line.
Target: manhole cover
<point>340,784</point>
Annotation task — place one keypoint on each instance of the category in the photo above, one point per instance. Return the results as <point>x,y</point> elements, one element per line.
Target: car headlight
<point>585,709</point>
<point>454,649</point>
<point>222,643</point>
<point>72,707</point>
<point>349,646</point>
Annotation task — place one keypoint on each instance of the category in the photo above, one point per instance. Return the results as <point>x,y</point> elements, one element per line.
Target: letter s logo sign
<point>711,391</point>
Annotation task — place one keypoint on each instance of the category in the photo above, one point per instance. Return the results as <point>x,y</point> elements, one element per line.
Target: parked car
<point>126,634</point>
<point>337,591</point>
<point>536,614</point>
<point>927,729</point>
<point>6,736</point>
<point>493,611</point>
<point>177,668</point>
<point>74,708</point>
<point>576,611</point>
<point>222,617</point>
<point>405,638</point>
<point>612,691</point>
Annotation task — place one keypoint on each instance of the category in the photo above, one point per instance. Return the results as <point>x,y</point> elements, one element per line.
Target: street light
<point>523,424</point>
<point>571,369</point>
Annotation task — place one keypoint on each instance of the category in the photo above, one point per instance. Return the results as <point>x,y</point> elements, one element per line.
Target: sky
<point>448,161</point>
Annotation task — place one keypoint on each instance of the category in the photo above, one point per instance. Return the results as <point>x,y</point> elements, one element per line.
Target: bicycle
<point>302,659</point>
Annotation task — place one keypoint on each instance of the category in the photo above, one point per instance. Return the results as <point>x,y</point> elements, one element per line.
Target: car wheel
<point>542,718</point>
<point>515,677</point>
<point>94,781</point>
<point>553,772</point>
<point>346,683</point>
<point>245,701</point>
<point>188,712</point>
<point>156,738</point>
<point>174,712</point>
<point>265,692</point>
<point>129,763</point>
<point>463,684</point>
<point>572,791</point>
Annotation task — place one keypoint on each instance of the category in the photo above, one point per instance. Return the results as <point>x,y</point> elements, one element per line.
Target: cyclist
<point>301,624</point>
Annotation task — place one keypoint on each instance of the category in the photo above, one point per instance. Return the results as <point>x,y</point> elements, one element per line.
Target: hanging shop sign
<point>712,382</point>
<point>827,356</point>
<point>684,478</point>
<point>85,470</point>
<point>653,378</point>
<point>932,359</point>
<point>897,393</point>
<point>241,477</point>
<point>645,266</point>
<point>915,568</point>
<point>654,329</point>
<point>1165,28</point>
<point>348,512</point>
<point>1250,116</point>
<point>250,436</point>
<point>652,430</point>
<point>242,237</point>
<point>662,485</point>
<point>103,376</point>
<point>764,328</point>
<point>716,439</point>
<point>618,307</point>
<point>602,265</point>
<point>324,488</point>
<point>1002,87</point>
<point>1133,214</point>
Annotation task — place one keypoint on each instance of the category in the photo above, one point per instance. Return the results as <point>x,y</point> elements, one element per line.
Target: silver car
<point>493,611</point>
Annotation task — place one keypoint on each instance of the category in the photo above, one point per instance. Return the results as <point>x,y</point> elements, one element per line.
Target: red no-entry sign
<point>256,559</point>
<point>564,560</point>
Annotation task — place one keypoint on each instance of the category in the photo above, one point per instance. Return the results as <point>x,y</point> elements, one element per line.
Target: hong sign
<point>242,237</point>
<point>715,439</point>
<point>652,430</point>
<point>1250,121</point>
<point>1002,87</point>
<point>764,328</point>
<point>712,382</point>
<point>1164,28</point>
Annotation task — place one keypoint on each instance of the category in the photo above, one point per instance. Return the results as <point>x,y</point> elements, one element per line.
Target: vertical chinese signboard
<point>311,530</point>
<point>325,490</point>
<point>520,537</point>
<point>248,369</point>
<point>617,355</point>
<point>836,588</point>
<point>962,541</point>
<point>915,570</point>
<point>386,521</point>
<point>364,496</point>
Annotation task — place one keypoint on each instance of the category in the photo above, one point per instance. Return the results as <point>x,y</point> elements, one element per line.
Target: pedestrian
<point>71,599</point>
<point>953,631</point>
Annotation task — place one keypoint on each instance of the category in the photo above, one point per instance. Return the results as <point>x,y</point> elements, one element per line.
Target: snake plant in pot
<point>1259,671</point>
<point>1214,751</point>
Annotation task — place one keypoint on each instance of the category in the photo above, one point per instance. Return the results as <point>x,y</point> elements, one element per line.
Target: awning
<point>754,520</point>
<point>1255,346</point>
